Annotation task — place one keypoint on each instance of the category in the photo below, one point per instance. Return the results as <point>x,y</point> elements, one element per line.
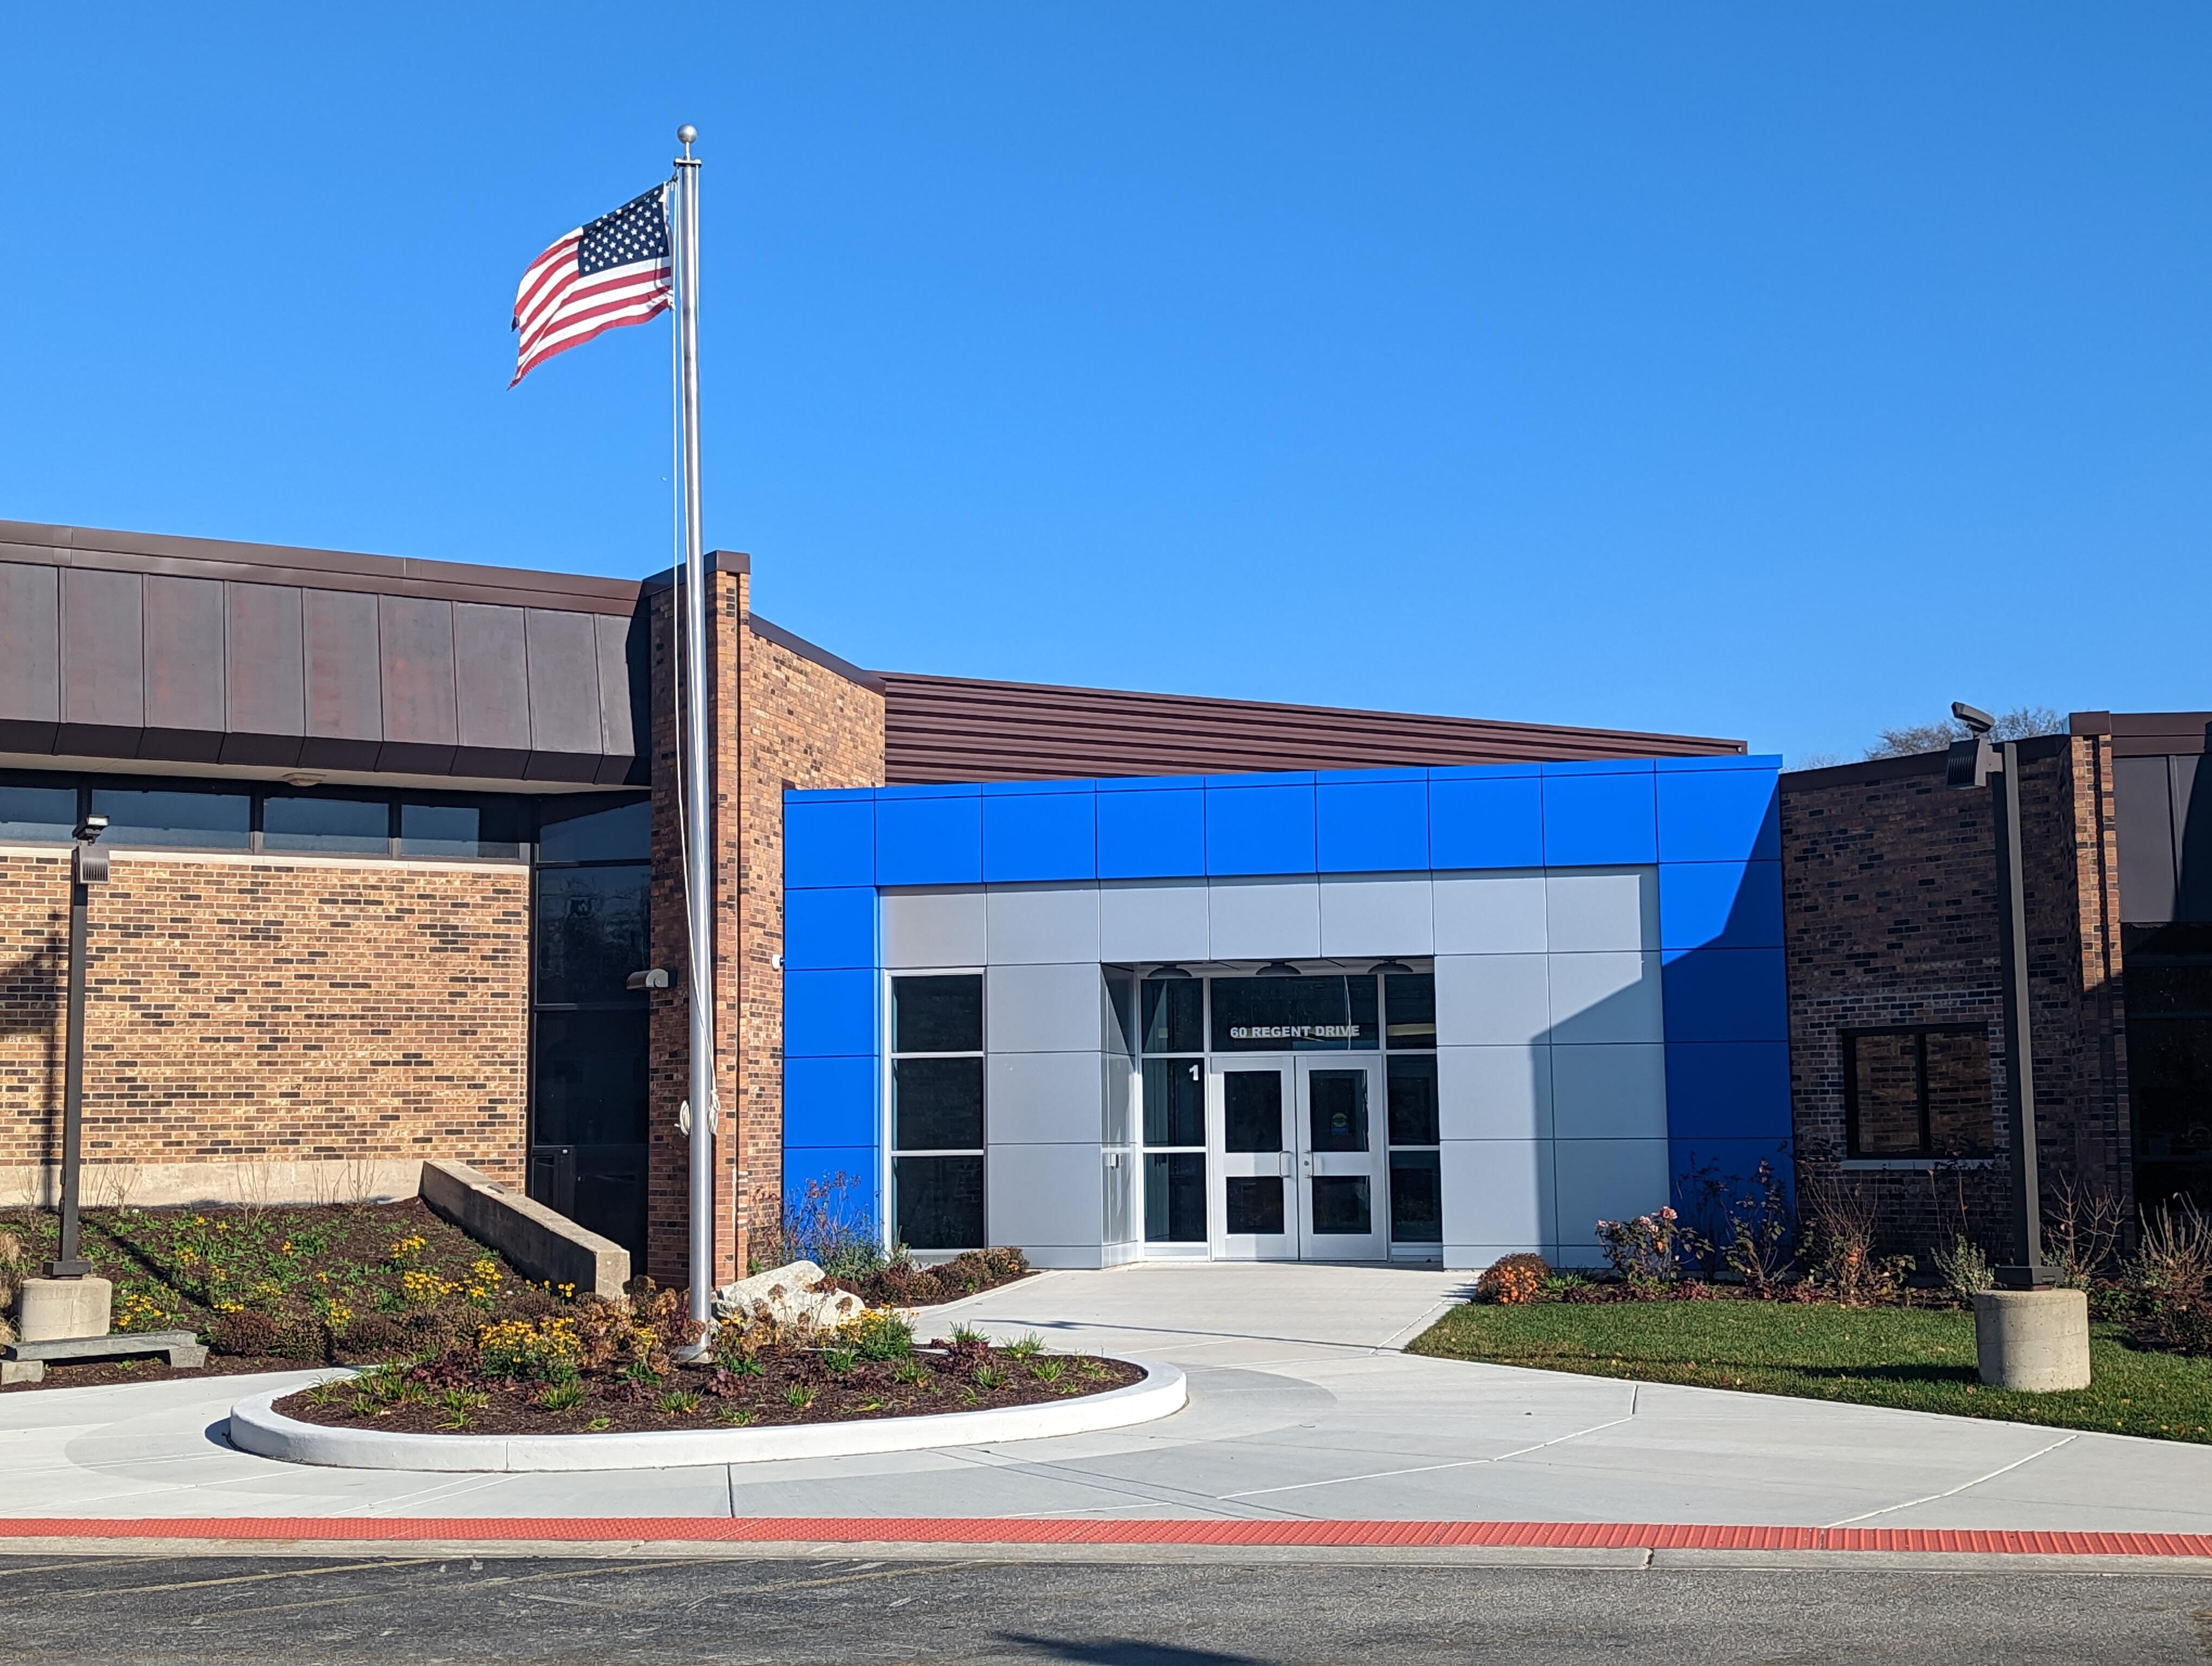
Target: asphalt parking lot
<point>1214,1612</point>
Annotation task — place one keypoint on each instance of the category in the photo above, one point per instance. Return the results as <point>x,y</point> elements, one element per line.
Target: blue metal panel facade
<point>1710,825</point>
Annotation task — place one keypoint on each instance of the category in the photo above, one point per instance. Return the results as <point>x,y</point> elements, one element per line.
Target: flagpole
<point>699,875</point>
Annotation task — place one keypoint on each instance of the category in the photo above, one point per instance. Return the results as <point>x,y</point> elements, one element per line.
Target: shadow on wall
<point>34,1002</point>
<point>1714,994</point>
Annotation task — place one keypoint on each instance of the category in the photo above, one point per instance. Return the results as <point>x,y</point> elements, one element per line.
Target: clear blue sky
<point>1675,367</point>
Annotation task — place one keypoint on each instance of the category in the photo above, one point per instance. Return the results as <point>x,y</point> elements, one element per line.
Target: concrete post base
<point>57,1310</point>
<point>2033,1339</point>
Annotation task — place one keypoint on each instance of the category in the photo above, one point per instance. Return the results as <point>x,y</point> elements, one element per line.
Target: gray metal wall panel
<point>618,699</point>
<point>564,695</point>
<point>491,674</point>
<point>421,726</point>
<point>266,679</point>
<point>30,656</point>
<point>338,628</point>
<point>184,670</point>
<point>2144,809</point>
<point>103,663</point>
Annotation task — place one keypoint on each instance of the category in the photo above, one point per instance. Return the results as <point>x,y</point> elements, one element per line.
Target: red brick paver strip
<point>985,1530</point>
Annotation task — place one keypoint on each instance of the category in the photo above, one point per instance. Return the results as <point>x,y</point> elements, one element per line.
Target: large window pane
<point>199,821</point>
<point>1885,1085</point>
<point>1174,1197</point>
<point>1174,1015</point>
<point>1294,1014</point>
<point>591,932</point>
<point>939,1201</point>
<point>593,829</point>
<point>1336,1104</point>
<point>1412,1095</point>
<point>1252,1108</point>
<point>2170,1085</point>
<point>937,1104</point>
<point>494,828</point>
<point>1961,1097</point>
<point>591,1078</point>
<point>1175,1101</point>
<point>1409,1009</point>
<point>937,1014</point>
<point>38,812</point>
<point>1417,1214</point>
<point>360,827</point>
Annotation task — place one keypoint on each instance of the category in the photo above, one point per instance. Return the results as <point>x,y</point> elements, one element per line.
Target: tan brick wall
<point>805,727</point>
<point>265,1009</point>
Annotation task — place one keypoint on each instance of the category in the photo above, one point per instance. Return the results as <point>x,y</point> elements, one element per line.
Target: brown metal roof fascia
<point>768,632</point>
<point>96,549</point>
<point>1873,771</point>
<point>2154,734</point>
<point>953,728</point>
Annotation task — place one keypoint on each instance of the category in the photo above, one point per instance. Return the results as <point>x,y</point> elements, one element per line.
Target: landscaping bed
<point>610,1370</point>
<point>903,1282</point>
<point>275,1289</point>
<point>1918,1359</point>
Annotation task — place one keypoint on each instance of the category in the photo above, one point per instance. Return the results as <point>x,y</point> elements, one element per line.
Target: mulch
<point>869,1389</point>
<point>98,1373</point>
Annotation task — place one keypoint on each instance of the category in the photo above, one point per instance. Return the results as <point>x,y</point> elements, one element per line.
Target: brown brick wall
<point>267,1010</point>
<point>1891,914</point>
<point>806,726</point>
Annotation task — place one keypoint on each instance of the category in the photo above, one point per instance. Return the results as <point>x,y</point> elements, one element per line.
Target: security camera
<point>91,828</point>
<point>1973,717</point>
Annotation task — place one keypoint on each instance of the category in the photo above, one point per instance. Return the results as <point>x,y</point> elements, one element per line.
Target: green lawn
<point>1917,1359</point>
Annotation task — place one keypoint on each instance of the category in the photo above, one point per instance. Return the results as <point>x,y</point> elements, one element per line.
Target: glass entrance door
<point>1342,1210</point>
<point>1255,1158</point>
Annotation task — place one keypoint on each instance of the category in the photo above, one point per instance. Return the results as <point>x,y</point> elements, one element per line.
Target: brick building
<point>1896,1039</point>
<point>389,838</point>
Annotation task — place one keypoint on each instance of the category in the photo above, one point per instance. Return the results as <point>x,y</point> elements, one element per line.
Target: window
<point>937,1111</point>
<point>591,927</point>
<point>332,825</point>
<point>2169,988</point>
<point>41,813</point>
<point>1923,1091</point>
<point>1173,1022</point>
<point>494,828</point>
<point>1295,1014</point>
<point>187,820</point>
<point>1409,1007</point>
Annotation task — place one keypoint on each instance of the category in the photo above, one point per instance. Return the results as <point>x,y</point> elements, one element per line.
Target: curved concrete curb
<point>256,1427</point>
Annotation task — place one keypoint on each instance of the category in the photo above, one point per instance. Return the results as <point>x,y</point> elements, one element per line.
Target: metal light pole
<point>1972,763</point>
<point>87,867</point>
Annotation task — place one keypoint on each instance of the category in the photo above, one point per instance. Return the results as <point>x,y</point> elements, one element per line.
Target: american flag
<point>615,271</point>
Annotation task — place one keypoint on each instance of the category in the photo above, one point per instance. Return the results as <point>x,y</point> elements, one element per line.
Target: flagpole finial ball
<point>686,134</point>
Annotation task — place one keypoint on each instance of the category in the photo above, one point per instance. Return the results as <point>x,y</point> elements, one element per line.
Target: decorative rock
<point>787,1298</point>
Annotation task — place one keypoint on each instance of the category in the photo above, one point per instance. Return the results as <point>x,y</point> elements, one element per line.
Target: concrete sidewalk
<point>1301,1408</point>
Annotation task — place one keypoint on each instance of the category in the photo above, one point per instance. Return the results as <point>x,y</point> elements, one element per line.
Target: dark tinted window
<point>1342,1204</point>
<point>1175,1101</point>
<point>1409,1009</point>
<point>1412,1094</point>
<point>591,1069</point>
<point>1174,1197</point>
<point>940,1202</point>
<point>360,827</point>
<point>1918,1093</point>
<point>202,821</point>
<point>591,932</point>
<point>1256,1203</point>
<point>594,830</point>
<point>38,812</point>
<point>1294,1014</point>
<point>495,827</point>
<point>937,1014</point>
<point>1417,1214</point>
<point>937,1104</point>
<point>1174,1016</point>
